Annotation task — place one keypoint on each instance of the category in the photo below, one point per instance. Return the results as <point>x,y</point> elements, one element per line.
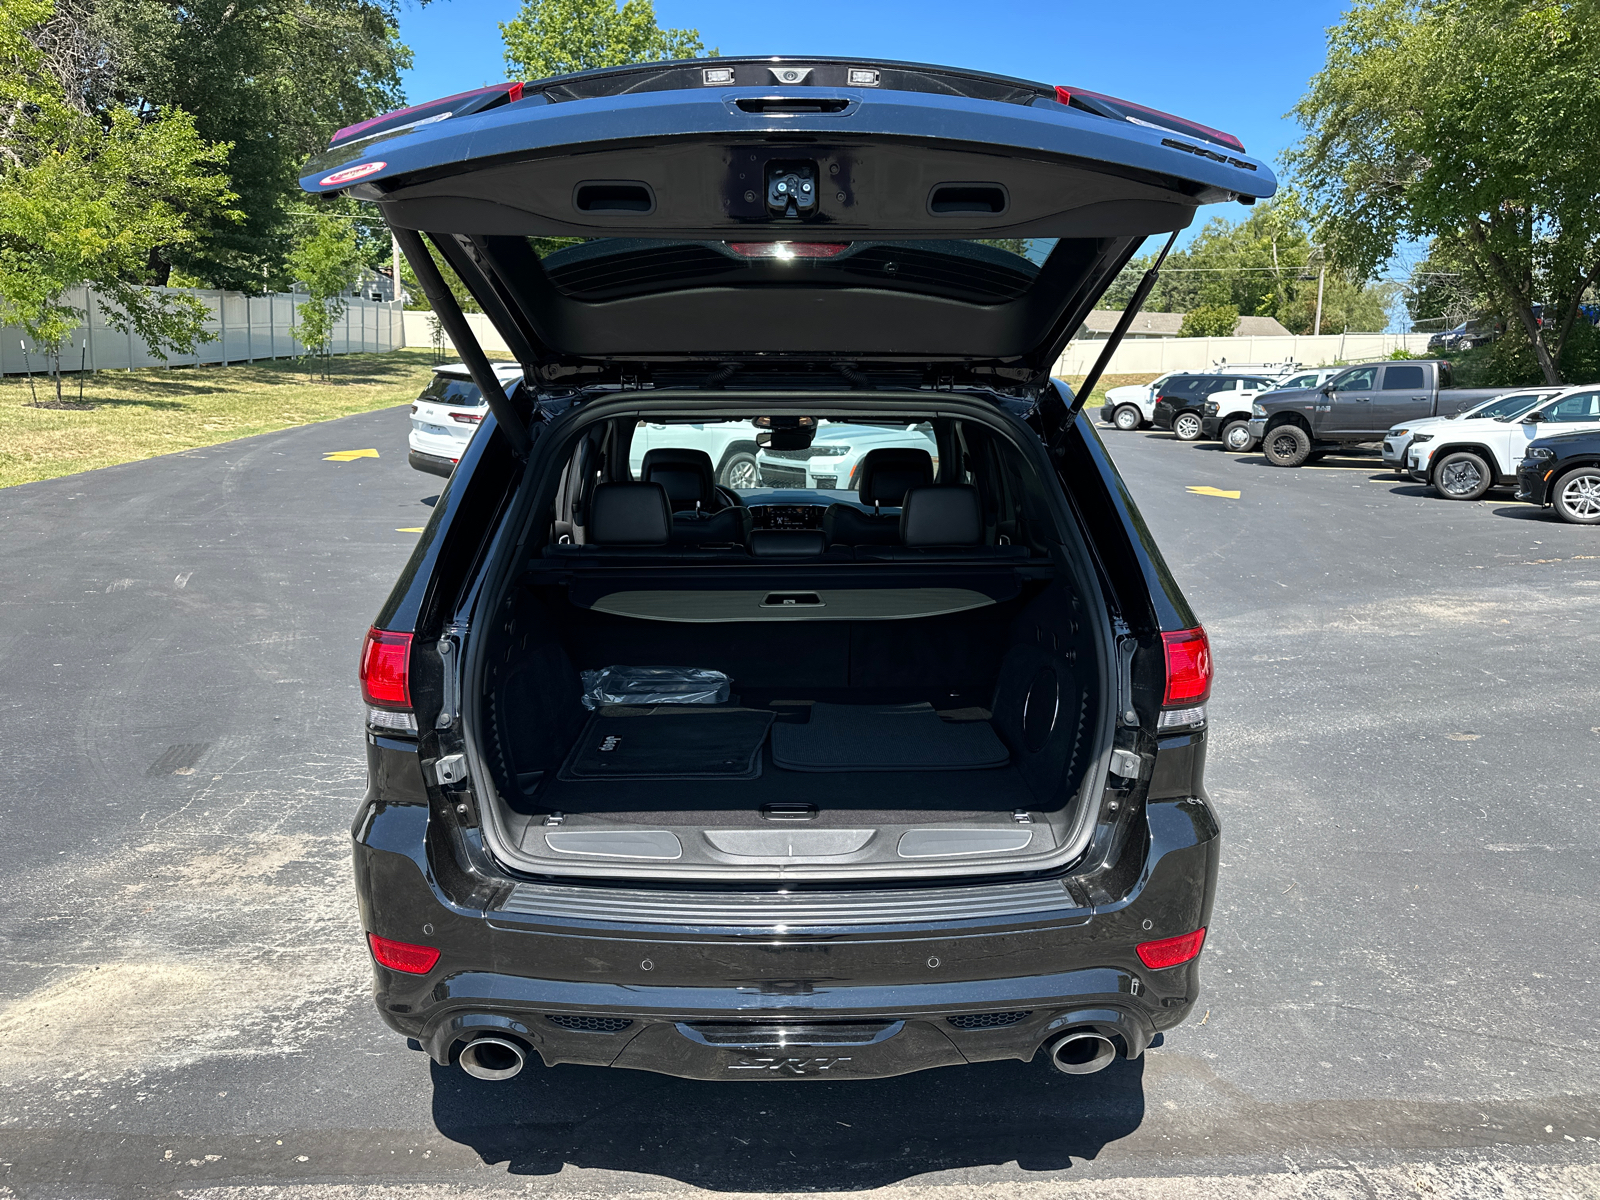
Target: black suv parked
<point>752,782</point>
<point>1563,472</point>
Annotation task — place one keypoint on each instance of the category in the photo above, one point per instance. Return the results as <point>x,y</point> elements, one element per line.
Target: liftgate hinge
<point>449,647</point>
<point>1127,644</point>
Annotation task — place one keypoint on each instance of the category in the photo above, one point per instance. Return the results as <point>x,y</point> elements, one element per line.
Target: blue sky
<point>1237,65</point>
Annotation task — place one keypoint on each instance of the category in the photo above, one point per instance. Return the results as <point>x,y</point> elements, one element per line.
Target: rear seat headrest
<point>629,514</point>
<point>885,475</point>
<point>942,516</point>
<point>687,475</point>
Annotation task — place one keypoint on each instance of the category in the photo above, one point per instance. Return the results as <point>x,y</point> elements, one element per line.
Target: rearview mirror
<point>1326,389</point>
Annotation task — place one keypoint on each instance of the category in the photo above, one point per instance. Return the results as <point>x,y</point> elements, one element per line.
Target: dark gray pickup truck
<point>1360,404</point>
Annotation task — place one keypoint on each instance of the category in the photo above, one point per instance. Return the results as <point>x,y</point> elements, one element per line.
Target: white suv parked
<point>1464,459</point>
<point>1513,404</point>
<point>448,413</point>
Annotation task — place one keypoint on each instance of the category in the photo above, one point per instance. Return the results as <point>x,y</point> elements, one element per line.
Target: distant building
<point>376,285</point>
<point>370,285</point>
<point>1147,325</point>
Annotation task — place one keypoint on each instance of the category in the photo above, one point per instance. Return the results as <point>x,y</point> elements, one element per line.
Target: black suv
<point>1181,405</point>
<point>757,782</point>
<point>1563,472</point>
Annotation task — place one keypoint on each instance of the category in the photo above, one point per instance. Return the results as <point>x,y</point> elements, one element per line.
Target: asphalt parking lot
<point>1401,991</point>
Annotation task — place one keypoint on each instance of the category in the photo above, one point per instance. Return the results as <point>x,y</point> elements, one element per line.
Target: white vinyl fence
<point>246,328</point>
<point>1153,356</point>
<point>1142,356</point>
<point>422,329</point>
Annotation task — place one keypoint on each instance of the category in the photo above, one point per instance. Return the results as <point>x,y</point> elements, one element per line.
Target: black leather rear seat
<point>634,521</point>
<point>700,514</point>
<point>943,523</point>
<point>883,478</point>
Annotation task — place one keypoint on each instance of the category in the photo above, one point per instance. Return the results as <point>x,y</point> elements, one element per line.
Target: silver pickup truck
<point>1358,405</point>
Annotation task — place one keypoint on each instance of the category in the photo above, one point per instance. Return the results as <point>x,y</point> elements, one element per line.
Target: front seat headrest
<point>942,516</point>
<point>686,474</point>
<point>886,474</point>
<point>629,514</point>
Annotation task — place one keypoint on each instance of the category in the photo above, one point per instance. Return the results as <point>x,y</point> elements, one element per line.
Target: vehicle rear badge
<point>351,174</point>
<point>788,1066</point>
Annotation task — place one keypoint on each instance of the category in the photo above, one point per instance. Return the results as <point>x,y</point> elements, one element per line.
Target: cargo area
<point>910,684</point>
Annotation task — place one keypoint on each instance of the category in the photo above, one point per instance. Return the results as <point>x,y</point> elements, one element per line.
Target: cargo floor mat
<point>885,737</point>
<point>669,741</point>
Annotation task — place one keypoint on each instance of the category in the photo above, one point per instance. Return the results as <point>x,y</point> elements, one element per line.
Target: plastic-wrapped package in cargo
<point>654,685</point>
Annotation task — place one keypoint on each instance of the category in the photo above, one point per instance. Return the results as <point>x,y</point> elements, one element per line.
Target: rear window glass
<point>1194,386</point>
<point>1403,379</point>
<point>980,272</point>
<point>443,389</point>
<point>749,455</point>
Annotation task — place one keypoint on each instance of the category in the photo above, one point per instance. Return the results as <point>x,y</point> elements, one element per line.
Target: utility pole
<point>1322,278</point>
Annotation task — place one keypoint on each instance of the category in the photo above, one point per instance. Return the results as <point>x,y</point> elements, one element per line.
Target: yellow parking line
<point>1211,491</point>
<point>349,455</point>
<point>418,529</point>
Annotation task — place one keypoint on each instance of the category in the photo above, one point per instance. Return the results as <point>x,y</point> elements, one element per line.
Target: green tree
<point>1265,265</point>
<point>327,258</point>
<point>1445,289</point>
<point>555,37</point>
<point>85,200</point>
<point>274,79</point>
<point>1472,122</point>
<point>1210,320</point>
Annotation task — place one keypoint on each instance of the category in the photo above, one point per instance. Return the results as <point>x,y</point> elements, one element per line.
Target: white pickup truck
<point>1465,460</point>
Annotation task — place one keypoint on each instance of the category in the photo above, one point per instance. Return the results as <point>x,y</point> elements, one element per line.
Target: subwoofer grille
<point>994,1020</point>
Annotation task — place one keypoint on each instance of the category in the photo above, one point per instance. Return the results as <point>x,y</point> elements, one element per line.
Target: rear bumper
<point>433,464</point>
<point>705,1001</point>
<point>741,1033</point>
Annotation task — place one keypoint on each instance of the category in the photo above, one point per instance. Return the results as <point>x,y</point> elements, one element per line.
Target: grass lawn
<point>140,414</point>
<point>143,413</point>
<point>1098,396</point>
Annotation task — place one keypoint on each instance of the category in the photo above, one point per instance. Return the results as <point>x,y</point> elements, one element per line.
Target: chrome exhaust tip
<point>492,1058</point>
<point>1081,1052</point>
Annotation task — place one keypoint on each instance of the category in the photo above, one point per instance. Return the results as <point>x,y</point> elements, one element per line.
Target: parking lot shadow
<point>789,1136</point>
<point>1525,512</point>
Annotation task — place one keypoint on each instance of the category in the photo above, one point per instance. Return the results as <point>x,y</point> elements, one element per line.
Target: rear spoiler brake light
<point>460,105</point>
<point>1127,110</point>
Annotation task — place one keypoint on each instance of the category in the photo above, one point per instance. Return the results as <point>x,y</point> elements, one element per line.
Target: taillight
<point>1172,951</point>
<point>386,669</point>
<point>1188,654</point>
<point>467,418</point>
<point>403,956</point>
